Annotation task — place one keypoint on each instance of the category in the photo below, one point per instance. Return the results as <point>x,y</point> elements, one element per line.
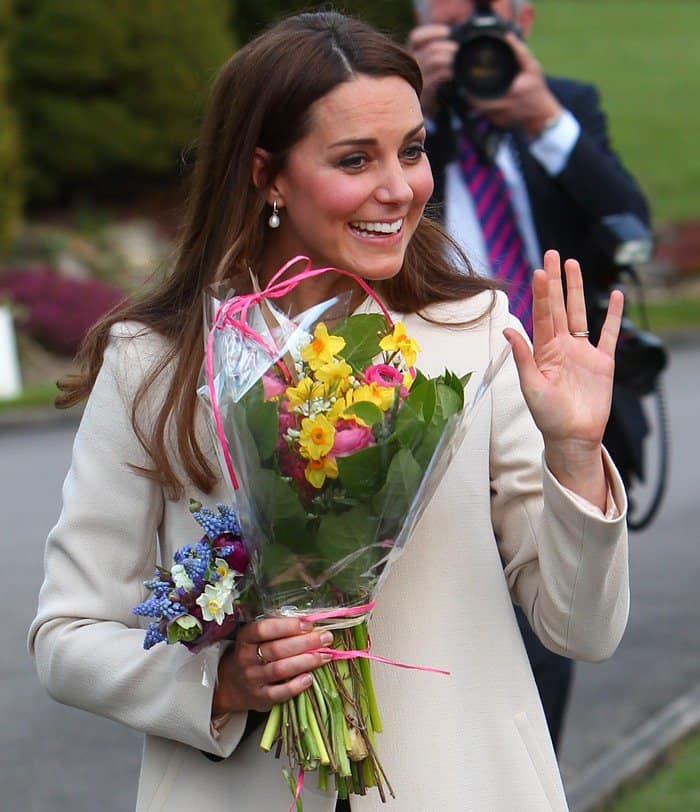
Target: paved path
<point>57,759</point>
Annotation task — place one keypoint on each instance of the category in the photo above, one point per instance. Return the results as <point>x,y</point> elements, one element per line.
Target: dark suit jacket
<point>567,210</point>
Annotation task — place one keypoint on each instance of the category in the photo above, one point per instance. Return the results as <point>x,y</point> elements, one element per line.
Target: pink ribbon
<point>300,787</point>
<point>351,654</point>
<point>234,313</point>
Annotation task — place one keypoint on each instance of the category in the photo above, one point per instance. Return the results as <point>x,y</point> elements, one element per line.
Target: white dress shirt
<point>551,149</point>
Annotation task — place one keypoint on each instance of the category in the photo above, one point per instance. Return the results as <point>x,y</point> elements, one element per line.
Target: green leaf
<point>447,404</point>
<point>280,511</point>
<point>263,423</point>
<point>362,333</point>
<point>368,412</point>
<point>362,473</point>
<point>402,482</point>
<point>350,535</point>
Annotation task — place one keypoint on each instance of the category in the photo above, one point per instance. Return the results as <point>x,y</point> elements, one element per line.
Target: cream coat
<point>476,740</point>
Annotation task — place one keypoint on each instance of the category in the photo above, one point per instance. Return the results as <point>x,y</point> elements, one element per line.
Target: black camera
<point>485,64</point>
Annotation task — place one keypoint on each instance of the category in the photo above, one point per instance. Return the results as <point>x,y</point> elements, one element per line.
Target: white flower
<point>216,602</point>
<point>181,578</point>
<point>225,573</point>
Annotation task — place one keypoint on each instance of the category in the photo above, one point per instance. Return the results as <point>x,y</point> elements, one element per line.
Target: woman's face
<point>354,188</point>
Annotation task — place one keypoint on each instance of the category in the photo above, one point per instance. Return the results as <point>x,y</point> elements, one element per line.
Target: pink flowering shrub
<point>57,311</point>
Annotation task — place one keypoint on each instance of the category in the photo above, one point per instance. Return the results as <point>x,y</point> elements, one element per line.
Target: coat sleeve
<point>594,175</point>
<point>565,562</point>
<point>87,642</point>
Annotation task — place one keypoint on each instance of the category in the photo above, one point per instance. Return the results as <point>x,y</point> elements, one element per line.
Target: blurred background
<point>99,109</point>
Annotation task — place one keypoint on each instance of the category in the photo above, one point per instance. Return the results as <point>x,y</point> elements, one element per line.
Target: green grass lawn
<point>675,788</point>
<point>40,394</point>
<point>667,315</point>
<point>644,57</point>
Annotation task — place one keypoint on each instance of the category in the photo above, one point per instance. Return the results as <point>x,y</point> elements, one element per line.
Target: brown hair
<point>261,98</point>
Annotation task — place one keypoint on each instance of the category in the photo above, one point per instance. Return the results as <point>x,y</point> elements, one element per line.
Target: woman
<point>313,144</point>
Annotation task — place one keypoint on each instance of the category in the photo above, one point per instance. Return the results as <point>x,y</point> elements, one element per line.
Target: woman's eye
<point>355,161</point>
<point>414,152</point>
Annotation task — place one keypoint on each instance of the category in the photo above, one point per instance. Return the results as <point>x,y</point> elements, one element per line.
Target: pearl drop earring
<point>274,221</point>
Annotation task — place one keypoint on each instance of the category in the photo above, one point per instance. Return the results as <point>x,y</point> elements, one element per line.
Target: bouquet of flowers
<point>339,442</point>
<point>198,601</point>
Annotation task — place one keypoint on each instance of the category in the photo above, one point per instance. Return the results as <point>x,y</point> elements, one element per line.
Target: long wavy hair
<point>262,97</point>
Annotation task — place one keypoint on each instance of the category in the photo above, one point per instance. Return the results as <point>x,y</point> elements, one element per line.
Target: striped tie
<point>505,246</point>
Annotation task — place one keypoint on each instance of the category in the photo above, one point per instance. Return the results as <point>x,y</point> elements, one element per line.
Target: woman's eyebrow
<point>349,142</point>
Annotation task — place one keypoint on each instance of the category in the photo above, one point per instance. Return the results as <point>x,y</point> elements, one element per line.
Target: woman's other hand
<point>566,380</point>
<point>270,662</point>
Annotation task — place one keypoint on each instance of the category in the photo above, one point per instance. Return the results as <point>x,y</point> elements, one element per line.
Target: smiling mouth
<point>377,229</point>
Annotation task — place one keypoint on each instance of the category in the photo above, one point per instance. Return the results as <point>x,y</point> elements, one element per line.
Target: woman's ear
<point>260,175</point>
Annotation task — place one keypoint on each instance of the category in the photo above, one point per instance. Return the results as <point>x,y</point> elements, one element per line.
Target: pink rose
<point>350,437</point>
<point>384,375</point>
<point>272,386</point>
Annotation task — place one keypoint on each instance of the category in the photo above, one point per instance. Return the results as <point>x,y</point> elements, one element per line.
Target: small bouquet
<point>198,601</point>
<point>339,442</point>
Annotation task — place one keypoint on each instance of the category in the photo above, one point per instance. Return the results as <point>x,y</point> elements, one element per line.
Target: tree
<point>10,166</point>
<point>109,91</point>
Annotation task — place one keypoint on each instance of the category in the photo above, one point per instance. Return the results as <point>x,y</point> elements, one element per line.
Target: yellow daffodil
<point>335,375</point>
<point>321,350</point>
<point>382,396</point>
<point>408,380</point>
<point>304,391</point>
<point>317,471</point>
<point>398,341</point>
<point>316,437</point>
<point>342,402</point>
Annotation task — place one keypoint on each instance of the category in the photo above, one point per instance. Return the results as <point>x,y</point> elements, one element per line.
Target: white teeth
<point>381,228</point>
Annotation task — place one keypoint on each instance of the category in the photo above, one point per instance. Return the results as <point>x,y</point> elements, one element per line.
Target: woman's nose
<point>394,186</point>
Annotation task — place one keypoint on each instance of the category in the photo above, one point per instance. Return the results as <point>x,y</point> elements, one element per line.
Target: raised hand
<point>566,381</point>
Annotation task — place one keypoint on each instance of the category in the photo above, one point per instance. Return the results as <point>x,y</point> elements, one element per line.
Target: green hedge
<point>109,90</point>
<point>10,170</point>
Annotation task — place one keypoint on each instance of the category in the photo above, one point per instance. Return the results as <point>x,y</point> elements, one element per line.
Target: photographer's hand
<point>434,52</point>
<point>529,103</point>
<point>566,381</point>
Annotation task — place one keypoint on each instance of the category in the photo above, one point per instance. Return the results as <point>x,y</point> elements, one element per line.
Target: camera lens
<point>485,66</point>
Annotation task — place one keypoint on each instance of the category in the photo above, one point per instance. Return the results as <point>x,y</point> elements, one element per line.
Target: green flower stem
<point>323,777</point>
<point>323,725</point>
<point>271,728</point>
<point>337,720</point>
<point>314,728</point>
<point>318,692</point>
<point>361,641</point>
<point>296,733</point>
<point>292,784</point>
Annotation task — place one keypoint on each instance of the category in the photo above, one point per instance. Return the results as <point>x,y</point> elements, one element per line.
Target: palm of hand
<point>570,398</point>
<point>566,381</point>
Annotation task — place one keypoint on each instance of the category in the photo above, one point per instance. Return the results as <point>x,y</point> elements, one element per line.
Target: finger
<point>290,667</point>
<point>575,301</point>
<point>423,34</point>
<point>274,694</point>
<point>528,373</point>
<point>542,325</point>
<point>611,325</point>
<point>552,264</point>
<point>290,646</point>
<point>260,631</point>
<point>523,54</point>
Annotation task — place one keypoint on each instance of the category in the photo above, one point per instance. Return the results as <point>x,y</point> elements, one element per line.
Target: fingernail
<point>306,680</point>
<point>326,657</point>
<point>305,626</point>
<point>326,638</point>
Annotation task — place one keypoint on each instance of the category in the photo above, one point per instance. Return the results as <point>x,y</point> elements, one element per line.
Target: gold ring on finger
<point>260,656</point>
<point>579,333</point>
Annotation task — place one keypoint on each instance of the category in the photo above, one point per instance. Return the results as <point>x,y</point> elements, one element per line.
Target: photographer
<point>522,163</point>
